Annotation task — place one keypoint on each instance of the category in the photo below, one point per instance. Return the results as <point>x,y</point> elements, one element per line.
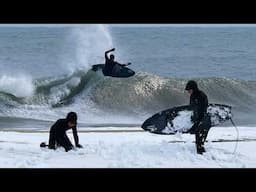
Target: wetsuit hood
<point>191,85</point>
<point>72,117</point>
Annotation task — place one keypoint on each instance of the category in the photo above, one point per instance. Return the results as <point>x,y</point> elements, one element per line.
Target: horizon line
<point>131,25</point>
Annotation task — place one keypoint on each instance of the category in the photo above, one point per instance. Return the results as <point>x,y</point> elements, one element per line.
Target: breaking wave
<point>94,96</point>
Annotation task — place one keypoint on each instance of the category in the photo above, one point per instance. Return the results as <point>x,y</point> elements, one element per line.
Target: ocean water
<point>45,72</point>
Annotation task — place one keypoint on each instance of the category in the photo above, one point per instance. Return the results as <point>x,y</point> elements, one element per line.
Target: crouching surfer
<point>201,120</point>
<point>58,136</point>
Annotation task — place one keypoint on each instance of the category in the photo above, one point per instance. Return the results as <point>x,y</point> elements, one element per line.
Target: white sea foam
<point>18,85</point>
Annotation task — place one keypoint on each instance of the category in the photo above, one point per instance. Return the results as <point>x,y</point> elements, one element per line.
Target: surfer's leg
<point>193,129</point>
<point>205,134</point>
<point>199,139</point>
<point>206,125</point>
<point>64,142</point>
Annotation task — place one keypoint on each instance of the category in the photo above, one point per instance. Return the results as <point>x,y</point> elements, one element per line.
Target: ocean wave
<point>143,93</point>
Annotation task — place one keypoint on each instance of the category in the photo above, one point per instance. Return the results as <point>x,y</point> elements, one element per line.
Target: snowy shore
<point>130,149</point>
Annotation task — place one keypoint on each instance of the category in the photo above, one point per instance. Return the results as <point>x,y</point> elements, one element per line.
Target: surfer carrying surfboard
<point>202,121</point>
<point>110,63</point>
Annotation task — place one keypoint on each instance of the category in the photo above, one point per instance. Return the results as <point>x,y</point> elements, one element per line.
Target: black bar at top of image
<point>130,13</point>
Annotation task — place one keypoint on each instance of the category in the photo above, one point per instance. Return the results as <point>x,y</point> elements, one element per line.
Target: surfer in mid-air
<point>111,64</point>
<point>202,121</point>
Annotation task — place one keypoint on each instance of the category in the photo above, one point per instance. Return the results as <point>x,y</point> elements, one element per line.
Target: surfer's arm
<point>106,52</point>
<point>75,136</point>
<point>123,64</point>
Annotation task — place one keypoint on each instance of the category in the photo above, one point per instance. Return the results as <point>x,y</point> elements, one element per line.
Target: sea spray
<point>18,85</point>
<point>89,43</point>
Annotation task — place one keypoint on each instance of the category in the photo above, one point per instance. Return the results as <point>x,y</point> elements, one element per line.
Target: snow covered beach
<point>109,148</point>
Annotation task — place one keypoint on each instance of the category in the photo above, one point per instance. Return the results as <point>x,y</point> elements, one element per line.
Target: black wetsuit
<point>58,135</point>
<point>109,65</point>
<point>202,122</point>
<point>199,101</point>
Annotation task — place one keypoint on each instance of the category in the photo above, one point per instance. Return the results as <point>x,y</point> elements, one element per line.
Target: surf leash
<point>237,131</point>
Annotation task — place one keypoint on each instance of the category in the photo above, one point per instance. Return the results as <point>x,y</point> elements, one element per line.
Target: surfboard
<point>178,119</point>
<point>118,71</point>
